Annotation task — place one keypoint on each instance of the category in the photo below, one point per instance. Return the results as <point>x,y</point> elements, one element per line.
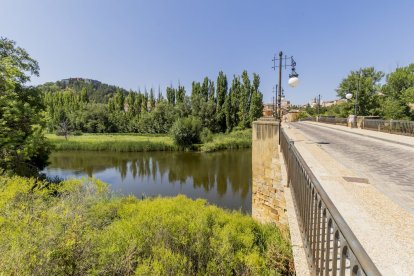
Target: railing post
<point>287,159</point>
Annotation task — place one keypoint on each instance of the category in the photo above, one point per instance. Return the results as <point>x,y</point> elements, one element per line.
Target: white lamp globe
<point>293,81</point>
<point>348,96</point>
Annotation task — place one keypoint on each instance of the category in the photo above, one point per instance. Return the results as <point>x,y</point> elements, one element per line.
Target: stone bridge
<point>346,196</point>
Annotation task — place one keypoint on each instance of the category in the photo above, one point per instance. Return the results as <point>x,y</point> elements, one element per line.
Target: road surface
<point>387,166</point>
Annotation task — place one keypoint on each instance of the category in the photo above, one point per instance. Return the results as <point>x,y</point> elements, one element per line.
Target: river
<point>222,178</point>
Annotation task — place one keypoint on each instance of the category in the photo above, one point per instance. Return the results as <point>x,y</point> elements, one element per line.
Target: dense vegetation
<point>89,106</point>
<point>77,228</point>
<point>23,149</point>
<point>392,100</point>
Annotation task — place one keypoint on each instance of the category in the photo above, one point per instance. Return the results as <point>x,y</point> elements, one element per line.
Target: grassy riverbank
<point>78,228</point>
<point>113,142</point>
<point>233,140</point>
<point>137,143</point>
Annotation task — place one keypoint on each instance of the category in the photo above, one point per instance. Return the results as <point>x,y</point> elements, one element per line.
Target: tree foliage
<point>399,94</point>
<point>123,111</point>
<point>392,100</point>
<point>364,86</point>
<point>186,131</point>
<point>23,149</point>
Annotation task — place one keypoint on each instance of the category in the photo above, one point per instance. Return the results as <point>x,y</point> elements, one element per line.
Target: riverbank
<point>77,227</point>
<point>138,143</point>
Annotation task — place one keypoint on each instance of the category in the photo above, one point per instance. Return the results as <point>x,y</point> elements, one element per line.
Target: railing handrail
<point>355,246</point>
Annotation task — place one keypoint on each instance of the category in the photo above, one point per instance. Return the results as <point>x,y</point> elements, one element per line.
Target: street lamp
<point>293,80</point>
<point>293,77</point>
<point>349,95</point>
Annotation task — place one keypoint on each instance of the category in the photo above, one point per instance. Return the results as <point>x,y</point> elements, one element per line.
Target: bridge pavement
<point>387,164</point>
<point>384,227</point>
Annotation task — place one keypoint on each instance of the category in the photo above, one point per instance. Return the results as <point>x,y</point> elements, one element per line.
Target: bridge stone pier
<point>268,199</point>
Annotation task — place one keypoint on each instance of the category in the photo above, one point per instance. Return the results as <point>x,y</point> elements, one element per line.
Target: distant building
<point>268,110</point>
<point>285,104</point>
<point>314,103</point>
<point>270,107</point>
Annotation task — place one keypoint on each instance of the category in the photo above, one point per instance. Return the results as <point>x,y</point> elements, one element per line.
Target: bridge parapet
<point>268,199</point>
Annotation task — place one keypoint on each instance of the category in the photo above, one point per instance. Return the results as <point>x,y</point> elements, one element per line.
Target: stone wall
<point>268,199</point>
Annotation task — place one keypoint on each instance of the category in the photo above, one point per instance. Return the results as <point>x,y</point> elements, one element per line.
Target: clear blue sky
<point>149,43</point>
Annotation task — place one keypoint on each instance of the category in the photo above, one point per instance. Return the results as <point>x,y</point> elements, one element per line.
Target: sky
<point>144,44</point>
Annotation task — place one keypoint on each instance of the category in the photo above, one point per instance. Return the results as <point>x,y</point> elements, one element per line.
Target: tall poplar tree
<point>180,94</point>
<point>220,100</point>
<point>256,102</point>
<point>170,95</point>
<point>152,99</point>
<point>244,103</point>
<point>235,101</point>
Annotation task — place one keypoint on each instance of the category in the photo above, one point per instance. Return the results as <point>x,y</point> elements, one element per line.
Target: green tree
<point>365,83</point>
<point>160,96</point>
<point>244,101</point>
<point>152,99</point>
<point>119,100</point>
<point>195,98</point>
<point>180,94</point>
<point>129,104</point>
<point>23,148</point>
<point>221,97</point>
<point>256,103</point>
<point>228,111</point>
<point>399,94</point>
<point>235,102</point>
<point>204,89</point>
<point>171,95</point>
<point>186,131</point>
<point>144,103</point>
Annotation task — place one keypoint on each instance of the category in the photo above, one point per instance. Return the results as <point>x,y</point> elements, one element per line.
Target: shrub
<point>77,133</point>
<point>233,140</point>
<point>77,228</point>
<point>186,131</point>
<point>206,136</point>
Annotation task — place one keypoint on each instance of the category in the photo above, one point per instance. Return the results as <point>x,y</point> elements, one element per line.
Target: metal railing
<point>333,120</point>
<point>331,246</point>
<point>313,119</point>
<point>390,126</point>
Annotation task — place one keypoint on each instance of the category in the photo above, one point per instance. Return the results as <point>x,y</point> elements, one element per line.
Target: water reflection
<point>223,178</point>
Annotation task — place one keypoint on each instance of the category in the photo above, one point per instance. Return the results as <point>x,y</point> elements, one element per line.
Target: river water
<point>222,178</point>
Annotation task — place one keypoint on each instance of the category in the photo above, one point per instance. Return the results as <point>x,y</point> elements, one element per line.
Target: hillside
<point>97,91</point>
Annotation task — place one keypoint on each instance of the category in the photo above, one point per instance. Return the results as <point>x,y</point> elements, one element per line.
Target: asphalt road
<point>387,166</point>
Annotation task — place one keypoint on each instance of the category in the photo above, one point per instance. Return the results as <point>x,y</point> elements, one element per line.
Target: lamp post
<point>293,81</point>
<point>349,95</point>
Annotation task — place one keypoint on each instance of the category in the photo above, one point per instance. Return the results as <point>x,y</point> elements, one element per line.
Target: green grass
<point>78,228</point>
<point>137,143</point>
<point>110,142</point>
